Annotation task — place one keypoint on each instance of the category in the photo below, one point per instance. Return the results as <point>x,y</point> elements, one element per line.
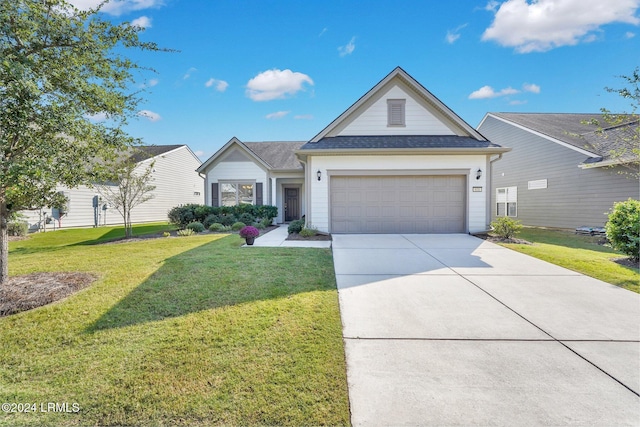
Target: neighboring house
<point>174,175</point>
<point>396,161</point>
<point>561,172</point>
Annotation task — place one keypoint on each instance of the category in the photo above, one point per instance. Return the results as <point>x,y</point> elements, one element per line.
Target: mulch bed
<point>496,239</point>
<point>317,237</point>
<point>23,293</point>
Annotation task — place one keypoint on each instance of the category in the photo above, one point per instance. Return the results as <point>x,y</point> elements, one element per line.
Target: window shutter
<point>214,194</point>
<point>259,194</point>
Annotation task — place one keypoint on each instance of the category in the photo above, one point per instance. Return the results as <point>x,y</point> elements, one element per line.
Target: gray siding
<point>574,196</point>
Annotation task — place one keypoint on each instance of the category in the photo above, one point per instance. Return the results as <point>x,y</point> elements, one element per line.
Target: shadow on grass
<point>219,274</point>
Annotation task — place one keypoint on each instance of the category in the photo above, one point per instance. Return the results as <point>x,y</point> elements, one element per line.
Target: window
<point>236,193</point>
<point>507,201</point>
<point>395,112</point>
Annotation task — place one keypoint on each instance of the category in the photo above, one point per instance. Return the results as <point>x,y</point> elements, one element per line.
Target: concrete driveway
<point>453,330</point>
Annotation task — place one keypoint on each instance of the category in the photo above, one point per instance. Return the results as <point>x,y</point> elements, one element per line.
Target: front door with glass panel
<point>291,204</point>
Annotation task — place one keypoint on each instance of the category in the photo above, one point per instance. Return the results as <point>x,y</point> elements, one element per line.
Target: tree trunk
<point>127,225</point>
<point>4,241</point>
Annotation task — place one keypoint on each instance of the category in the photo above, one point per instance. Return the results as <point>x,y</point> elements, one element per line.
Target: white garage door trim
<point>377,225</point>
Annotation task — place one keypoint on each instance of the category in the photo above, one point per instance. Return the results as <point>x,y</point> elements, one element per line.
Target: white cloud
<point>492,5</point>
<point>117,7</point>
<point>153,82</point>
<point>199,153</point>
<point>488,92</point>
<point>543,25</point>
<point>303,117</point>
<point>517,102</point>
<point>453,35</point>
<point>348,48</point>
<point>220,85</point>
<point>142,22</point>
<point>629,35</point>
<point>276,84</point>
<point>531,87</point>
<point>189,72</point>
<point>277,115</point>
<point>324,30</point>
<point>97,117</point>
<point>150,115</point>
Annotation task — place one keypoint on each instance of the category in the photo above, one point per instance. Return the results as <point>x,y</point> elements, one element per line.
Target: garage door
<point>398,204</point>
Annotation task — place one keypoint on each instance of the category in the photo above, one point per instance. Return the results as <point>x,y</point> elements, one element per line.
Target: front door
<point>291,204</point>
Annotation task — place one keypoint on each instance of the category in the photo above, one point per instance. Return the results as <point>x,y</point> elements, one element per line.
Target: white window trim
<point>237,182</point>
<point>509,197</point>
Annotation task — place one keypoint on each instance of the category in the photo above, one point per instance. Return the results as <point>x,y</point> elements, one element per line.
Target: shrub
<point>210,219</point>
<point>196,226</point>
<point>266,222</point>
<point>216,227</point>
<point>295,226</point>
<point>237,226</point>
<point>506,227</point>
<point>308,231</point>
<point>259,226</point>
<point>247,218</point>
<point>17,228</point>
<point>166,234</point>
<point>266,212</point>
<point>623,228</point>
<point>249,231</point>
<point>185,232</point>
<point>181,215</point>
<point>227,219</point>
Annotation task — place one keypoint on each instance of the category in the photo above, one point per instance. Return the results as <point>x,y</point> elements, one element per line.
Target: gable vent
<point>395,112</point>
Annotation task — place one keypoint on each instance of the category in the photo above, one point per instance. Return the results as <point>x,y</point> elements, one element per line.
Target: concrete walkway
<point>278,238</point>
<point>453,330</point>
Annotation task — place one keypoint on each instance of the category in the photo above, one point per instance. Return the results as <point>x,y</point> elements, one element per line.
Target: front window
<point>507,201</point>
<point>237,193</point>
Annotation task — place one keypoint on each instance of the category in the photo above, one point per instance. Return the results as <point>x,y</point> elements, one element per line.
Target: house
<point>174,175</point>
<point>396,161</point>
<point>561,172</point>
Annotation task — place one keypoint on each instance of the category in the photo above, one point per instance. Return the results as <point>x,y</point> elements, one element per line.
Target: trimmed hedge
<point>226,215</point>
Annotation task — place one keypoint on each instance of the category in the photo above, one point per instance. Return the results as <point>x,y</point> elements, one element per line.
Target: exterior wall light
<point>479,174</point>
<point>319,174</point>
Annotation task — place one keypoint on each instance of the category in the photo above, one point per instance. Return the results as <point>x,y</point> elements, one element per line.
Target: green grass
<point>178,331</point>
<point>578,253</point>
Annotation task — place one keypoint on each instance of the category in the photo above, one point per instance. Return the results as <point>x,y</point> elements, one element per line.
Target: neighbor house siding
<point>418,120</point>
<point>176,182</point>
<point>573,196</point>
<point>475,203</point>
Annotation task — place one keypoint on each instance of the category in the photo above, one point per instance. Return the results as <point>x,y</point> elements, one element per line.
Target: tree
<point>59,66</point>
<point>620,133</point>
<point>129,187</point>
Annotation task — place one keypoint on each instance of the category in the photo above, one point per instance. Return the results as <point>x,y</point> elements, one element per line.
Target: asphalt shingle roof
<point>278,155</point>
<point>397,141</point>
<point>145,152</point>
<point>569,128</point>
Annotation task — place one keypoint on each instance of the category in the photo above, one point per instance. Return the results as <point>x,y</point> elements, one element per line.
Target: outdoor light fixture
<point>319,174</point>
<point>479,174</point>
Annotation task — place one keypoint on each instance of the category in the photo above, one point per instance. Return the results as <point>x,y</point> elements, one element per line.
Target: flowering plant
<point>249,231</point>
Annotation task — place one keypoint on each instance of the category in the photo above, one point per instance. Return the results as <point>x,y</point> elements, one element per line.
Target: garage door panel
<point>398,204</point>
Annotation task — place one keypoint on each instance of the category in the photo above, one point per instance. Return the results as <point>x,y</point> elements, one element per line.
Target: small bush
<point>17,228</point>
<point>623,228</point>
<point>308,231</point>
<point>266,222</point>
<point>295,226</point>
<point>216,227</point>
<point>166,234</point>
<point>210,219</point>
<point>237,226</point>
<point>227,219</point>
<point>249,231</point>
<point>247,218</point>
<point>506,227</point>
<point>259,226</point>
<point>196,226</point>
<point>186,232</point>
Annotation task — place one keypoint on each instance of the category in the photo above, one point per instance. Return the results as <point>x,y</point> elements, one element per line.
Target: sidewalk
<point>278,238</point>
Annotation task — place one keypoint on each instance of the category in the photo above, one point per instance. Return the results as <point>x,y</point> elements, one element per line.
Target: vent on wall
<point>537,184</point>
<point>395,112</point>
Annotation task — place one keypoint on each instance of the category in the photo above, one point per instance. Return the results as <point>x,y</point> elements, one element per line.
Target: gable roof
<point>400,142</point>
<point>569,130</point>
<point>462,128</point>
<point>276,155</point>
<point>145,152</point>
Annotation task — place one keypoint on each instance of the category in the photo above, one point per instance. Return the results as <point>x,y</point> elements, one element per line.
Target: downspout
<point>204,180</point>
<point>489,189</point>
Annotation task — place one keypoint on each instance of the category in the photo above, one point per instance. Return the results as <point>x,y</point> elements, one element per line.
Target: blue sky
<point>283,70</point>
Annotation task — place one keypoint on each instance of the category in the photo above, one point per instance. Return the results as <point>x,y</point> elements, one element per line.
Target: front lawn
<point>581,253</point>
<point>177,331</point>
